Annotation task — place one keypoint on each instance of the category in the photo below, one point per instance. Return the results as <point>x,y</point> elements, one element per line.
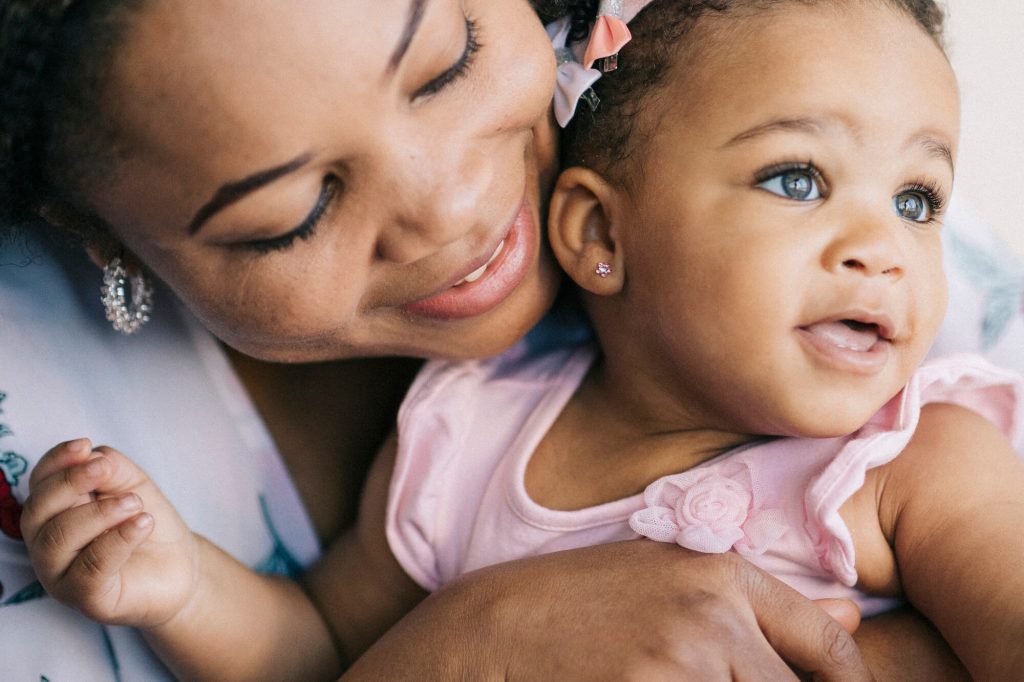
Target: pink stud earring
<point>603,269</point>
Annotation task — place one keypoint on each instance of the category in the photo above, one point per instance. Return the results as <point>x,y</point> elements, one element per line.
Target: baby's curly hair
<point>606,138</point>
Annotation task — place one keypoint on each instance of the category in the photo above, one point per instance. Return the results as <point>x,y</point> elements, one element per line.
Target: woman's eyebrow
<point>416,11</point>
<point>231,192</point>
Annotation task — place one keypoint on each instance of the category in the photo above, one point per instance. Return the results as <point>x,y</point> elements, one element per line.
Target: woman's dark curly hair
<point>54,55</point>
<point>605,138</point>
<point>54,136</point>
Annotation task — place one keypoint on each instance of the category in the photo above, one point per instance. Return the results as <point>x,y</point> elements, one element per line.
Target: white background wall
<point>986,45</point>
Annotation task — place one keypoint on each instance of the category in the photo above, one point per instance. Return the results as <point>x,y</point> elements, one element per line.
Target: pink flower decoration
<point>707,512</point>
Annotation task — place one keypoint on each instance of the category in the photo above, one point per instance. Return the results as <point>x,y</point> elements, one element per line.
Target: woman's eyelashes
<point>306,229</point>
<point>459,68</point>
<point>921,202</point>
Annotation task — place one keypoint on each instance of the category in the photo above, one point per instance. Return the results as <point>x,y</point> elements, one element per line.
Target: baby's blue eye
<point>913,206</point>
<point>796,184</point>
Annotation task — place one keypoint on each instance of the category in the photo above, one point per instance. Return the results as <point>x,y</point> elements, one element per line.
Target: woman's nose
<point>438,196</point>
<point>869,245</point>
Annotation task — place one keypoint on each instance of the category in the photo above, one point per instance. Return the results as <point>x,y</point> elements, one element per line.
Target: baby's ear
<point>583,232</point>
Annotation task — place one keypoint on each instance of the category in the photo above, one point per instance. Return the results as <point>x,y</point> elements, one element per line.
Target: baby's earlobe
<point>580,229</point>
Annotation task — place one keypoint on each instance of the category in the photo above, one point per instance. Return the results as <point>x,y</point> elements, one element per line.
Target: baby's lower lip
<point>865,360</point>
<point>498,281</point>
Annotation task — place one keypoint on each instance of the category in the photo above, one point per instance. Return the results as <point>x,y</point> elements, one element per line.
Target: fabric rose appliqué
<point>708,510</point>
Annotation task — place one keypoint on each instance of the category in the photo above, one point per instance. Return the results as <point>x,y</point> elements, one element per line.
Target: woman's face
<point>330,181</point>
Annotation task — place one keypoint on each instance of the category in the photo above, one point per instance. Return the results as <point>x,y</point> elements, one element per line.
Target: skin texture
<point>738,273</point>
<point>711,240</point>
<point>211,618</point>
<point>414,198</point>
<point>401,228</point>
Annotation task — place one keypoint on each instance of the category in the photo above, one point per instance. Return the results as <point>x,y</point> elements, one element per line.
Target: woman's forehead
<point>242,83</point>
<point>272,35</point>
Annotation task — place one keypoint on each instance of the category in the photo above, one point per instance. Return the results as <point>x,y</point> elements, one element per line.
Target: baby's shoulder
<point>951,441</point>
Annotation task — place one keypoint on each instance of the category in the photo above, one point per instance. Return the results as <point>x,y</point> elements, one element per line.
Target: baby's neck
<point>610,443</point>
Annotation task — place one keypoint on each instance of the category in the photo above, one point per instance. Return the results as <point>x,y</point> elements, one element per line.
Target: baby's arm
<point>104,540</point>
<point>360,587</point>
<point>953,507</point>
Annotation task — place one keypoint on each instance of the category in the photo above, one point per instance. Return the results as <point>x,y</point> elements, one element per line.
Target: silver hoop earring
<point>126,318</point>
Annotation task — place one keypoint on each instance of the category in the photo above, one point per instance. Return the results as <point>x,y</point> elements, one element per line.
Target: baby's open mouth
<point>848,334</point>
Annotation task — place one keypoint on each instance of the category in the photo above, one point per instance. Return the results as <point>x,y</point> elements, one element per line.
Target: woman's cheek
<point>528,69</point>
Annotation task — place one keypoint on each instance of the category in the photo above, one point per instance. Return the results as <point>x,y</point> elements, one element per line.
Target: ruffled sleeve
<point>965,380</point>
<point>427,443</point>
<point>457,424</point>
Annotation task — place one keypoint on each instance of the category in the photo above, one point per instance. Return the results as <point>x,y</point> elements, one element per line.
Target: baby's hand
<point>104,540</point>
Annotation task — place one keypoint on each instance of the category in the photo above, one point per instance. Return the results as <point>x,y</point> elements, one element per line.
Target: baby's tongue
<point>858,337</point>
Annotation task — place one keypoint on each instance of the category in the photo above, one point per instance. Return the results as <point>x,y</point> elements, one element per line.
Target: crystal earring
<point>126,318</point>
<point>603,269</point>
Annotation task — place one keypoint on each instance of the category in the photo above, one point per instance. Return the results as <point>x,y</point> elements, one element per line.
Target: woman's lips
<point>490,284</point>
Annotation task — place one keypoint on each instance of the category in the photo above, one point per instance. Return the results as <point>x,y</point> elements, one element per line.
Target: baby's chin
<point>828,421</point>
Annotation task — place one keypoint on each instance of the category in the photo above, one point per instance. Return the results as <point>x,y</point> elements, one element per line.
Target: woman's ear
<point>97,241</point>
<point>583,230</point>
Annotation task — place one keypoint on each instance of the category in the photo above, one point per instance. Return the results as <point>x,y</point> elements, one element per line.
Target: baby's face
<point>330,178</point>
<point>786,258</point>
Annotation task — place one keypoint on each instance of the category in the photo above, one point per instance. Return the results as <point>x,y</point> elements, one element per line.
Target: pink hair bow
<point>610,32</point>
<point>575,73</point>
<point>573,80</point>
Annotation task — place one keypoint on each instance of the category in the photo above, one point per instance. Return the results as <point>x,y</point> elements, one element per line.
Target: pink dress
<point>467,431</point>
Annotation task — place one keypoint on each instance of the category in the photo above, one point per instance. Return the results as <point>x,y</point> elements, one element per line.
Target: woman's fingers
<point>804,634</point>
<point>720,640</point>
<point>842,610</point>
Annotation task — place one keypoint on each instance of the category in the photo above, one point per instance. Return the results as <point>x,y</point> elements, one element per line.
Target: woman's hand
<point>104,540</point>
<point>631,610</point>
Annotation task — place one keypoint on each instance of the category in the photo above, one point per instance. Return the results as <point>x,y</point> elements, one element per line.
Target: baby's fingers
<point>60,456</point>
<point>92,582</point>
<point>59,541</point>
<point>64,490</point>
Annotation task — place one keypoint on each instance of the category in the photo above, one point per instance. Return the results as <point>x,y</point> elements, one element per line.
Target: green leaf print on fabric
<point>280,561</point>
<point>1001,279</point>
<point>30,592</point>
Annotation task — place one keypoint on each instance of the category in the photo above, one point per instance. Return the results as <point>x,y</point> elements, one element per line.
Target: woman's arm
<point>634,609</point>
<point>628,610</point>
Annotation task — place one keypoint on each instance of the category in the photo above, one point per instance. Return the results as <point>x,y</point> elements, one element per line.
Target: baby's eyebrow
<point>416,11</point>
<point>798,125</point>
<point>934,147</point>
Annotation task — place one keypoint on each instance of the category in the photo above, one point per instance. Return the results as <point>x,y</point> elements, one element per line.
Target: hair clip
<point>607,36</point>
<point>576,74</point>
<point>574,81</point>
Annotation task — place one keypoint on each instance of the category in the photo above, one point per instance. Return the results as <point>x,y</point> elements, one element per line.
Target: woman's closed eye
<point>459,68</point>
<point>306,229</point>
<point>796,181</point>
